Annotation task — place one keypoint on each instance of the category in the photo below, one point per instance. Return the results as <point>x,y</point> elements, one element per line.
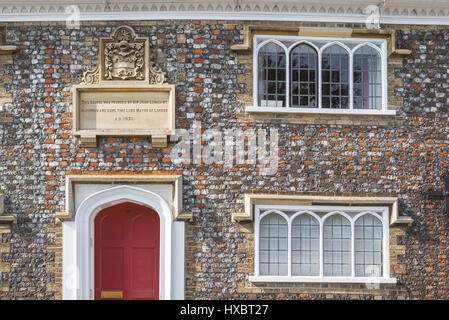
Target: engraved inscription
<point>124,110</point>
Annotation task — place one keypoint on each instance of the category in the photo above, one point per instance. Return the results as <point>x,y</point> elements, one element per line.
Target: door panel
<point>112,268</point>
<point>127,251</point>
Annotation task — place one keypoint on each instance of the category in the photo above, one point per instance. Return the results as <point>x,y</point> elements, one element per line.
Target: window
<point>321,244</point>
<point>304,78</point>
<point>367,78</point>
<point>335,78</point>
<point>272,75</point>
<point>320,74</point>
<point>273,245</point>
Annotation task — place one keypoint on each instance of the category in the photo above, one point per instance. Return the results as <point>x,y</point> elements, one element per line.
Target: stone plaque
<point>119,111</point>
<point>124,95</point>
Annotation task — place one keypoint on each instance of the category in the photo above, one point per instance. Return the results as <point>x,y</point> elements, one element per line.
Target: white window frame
<point>330,210</point>
<point>260,40</point>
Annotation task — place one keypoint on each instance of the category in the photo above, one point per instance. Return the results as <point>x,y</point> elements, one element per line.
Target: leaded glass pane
<point>273,252</point>
<point>303,72</point>
<point>337,246</point>
<point>271,76</point>
<point>367,84</point>
<point>305,246</point>
<point>368,246</point>
<point>335,78</point>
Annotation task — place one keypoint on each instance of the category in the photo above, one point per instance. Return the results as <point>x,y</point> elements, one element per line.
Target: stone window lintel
<point>305,199</point>
<point>250,30</point>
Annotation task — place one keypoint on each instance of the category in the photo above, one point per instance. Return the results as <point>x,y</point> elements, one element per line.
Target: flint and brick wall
<point>403,157</point>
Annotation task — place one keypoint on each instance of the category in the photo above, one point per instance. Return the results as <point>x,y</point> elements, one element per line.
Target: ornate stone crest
<point>124,57</point>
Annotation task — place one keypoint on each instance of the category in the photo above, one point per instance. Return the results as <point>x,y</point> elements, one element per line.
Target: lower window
<point>321,243</point>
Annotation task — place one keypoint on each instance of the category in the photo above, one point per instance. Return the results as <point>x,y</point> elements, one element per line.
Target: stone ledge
<point>399,53</point>
<point>63,216</point>
<point>7,219</point>
<point>5,117</point>
<point>317,280</point>
<point>318,119</point>
<point>184,216</point>
<point>8,50</point>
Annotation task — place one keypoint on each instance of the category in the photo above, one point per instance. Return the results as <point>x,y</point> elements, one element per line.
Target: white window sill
<point>321,111</point>
<point>284,279</point>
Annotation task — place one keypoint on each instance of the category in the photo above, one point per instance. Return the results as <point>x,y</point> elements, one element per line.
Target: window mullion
<point>256,75</point>
<point>351,80</point>
<point>287,79</point>
<point>352,249</point>
<point>385,253</point>
<point>321,249</point>
<point>289,248</point>
<point>319,78</point>
<point>384,68</point>
<point>256,244</point>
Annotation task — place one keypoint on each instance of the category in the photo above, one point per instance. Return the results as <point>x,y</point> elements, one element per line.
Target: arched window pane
<point>335,78</point>
<point>303,73</point>
<point>273,247</point>
<point>272,80</point>
<point>368,246</point>
<point>337,246</point>
<point>305,246</point>
<point>367,85</point>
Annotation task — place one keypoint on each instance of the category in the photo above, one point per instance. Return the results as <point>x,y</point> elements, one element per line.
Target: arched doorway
<point>126,252</point>
<point>79,235</point>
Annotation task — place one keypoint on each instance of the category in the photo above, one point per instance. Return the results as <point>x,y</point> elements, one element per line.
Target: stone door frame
<point>78,246</point>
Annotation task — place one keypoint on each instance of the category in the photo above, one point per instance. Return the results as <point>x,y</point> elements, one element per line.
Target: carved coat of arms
<point>124,56</point>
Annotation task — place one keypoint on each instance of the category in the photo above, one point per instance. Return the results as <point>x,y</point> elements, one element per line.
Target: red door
<point>127,253</point>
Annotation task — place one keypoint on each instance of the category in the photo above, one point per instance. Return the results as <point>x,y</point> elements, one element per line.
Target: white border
<point>259,41</point>
<point>384,211</point>
<point>78,243</point>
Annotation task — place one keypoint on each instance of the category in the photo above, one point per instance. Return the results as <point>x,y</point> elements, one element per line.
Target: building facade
<point>231,150</point>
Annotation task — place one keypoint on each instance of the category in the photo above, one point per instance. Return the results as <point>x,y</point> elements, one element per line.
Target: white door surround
<point>78,242</point>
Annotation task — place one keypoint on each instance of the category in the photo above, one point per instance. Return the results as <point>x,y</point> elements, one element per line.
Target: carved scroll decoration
<point>91,76</point>
<point>156,76</point>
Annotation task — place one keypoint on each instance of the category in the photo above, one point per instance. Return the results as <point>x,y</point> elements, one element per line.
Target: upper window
<point>272,75</point>
<point>320,73</point>
<point>321,243</point>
